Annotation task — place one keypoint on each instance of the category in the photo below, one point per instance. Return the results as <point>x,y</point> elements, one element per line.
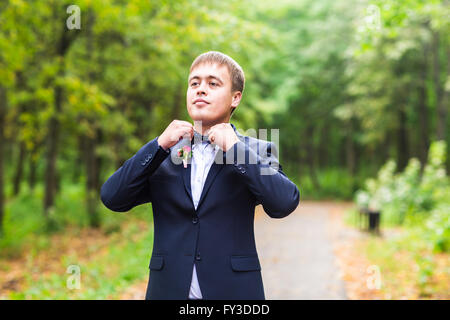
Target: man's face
<point>209,98</point>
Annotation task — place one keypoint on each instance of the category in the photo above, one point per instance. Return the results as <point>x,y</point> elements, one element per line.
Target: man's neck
<point>204,129</point>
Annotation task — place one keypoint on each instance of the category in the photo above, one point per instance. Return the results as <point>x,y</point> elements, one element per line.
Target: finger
<point>207,132</point>
<point>185,128</point>
<point>215,126</point>
<point>211,136</point>
<point>185,123</point>
<point>211,131</point>
<point>185,133</point>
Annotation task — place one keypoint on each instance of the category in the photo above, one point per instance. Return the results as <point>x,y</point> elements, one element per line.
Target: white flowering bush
<point>378,191</point>
<point>405,195</point>
<point>422,200</point>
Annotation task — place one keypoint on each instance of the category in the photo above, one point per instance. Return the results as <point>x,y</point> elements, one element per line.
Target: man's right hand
<point>176,131</point>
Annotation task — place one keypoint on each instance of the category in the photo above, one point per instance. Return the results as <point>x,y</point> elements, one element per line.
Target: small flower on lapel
<point>185,153</point>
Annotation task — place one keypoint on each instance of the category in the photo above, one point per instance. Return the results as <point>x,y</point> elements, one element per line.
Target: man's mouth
<point>200,101</point>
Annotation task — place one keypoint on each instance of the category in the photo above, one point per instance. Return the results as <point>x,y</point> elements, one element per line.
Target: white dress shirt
<point>203,155</point>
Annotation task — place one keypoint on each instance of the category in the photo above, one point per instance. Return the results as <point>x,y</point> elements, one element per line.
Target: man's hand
<point>174,132</point>
<point>223,135</point>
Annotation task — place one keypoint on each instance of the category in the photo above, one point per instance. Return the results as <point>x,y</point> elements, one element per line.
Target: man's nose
<point>201,89</point>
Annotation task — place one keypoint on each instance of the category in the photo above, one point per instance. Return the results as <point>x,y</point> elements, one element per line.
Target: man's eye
<point>193,83</point>
<point>213,84</point>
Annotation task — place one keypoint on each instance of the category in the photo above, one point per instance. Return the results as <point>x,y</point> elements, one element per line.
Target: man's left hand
<point>223,135</point>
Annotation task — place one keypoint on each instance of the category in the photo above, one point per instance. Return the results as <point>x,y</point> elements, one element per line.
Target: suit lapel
<point>187,179</point>
<point>184,172</point>
<point>213,171</point>
<point>212,174</point>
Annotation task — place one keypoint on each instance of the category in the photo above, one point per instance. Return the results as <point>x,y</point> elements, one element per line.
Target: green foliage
<point>421,204</point>
<point>328,179</point>
<point>437,228</point>
<point>434,181</point>
<point>349,84</point>
<point>25,224</point>
<point>406,197</point>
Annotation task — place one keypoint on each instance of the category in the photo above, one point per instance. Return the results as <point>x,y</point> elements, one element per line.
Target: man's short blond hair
<point>235,70</point>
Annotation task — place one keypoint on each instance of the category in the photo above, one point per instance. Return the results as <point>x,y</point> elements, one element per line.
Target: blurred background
<point>358,89</point>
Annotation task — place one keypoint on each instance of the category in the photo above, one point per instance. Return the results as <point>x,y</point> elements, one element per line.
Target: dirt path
<point>296,254</point>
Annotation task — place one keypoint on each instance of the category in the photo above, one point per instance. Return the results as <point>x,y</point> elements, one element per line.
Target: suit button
<point>198,257</point>
<point>241,169</point>
<point>194,220</point>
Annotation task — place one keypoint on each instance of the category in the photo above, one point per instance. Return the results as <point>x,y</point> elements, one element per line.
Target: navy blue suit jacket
<point>219,236</point>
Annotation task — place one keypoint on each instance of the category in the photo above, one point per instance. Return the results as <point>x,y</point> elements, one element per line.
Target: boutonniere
<point>185,153</point>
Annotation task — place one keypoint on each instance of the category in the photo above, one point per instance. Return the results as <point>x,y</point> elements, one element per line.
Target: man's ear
<point>237,96</point>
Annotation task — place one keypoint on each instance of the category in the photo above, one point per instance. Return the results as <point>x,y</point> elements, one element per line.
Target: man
<point>204,246</point>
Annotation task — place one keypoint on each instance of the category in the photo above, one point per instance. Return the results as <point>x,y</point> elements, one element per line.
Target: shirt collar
<point>205,145</point>
<point>197,137</point>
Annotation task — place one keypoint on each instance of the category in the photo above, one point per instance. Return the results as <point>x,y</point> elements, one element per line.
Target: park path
<point>296,253</point>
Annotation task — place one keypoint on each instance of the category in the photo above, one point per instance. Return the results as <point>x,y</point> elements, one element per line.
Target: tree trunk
<point>32,173</point>
<point>80,160</point>
<point>402,141</point>
<point>444,112</point>
<point>323,146</point>
<point>92,181</point>
<point>51,183</point>
<point>350,149</point>
<point>382,152</point>
<point>350,152</point>
<point>19,169</point>
<point>310,156</point>
<point>52,141</point>
<point>2,143</point>
<point>423,110</point>
<point>20,87</point>
<point>439,89</point>
<point>92,162</point>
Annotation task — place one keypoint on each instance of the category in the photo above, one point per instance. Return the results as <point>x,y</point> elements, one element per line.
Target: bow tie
<point>198,138</point>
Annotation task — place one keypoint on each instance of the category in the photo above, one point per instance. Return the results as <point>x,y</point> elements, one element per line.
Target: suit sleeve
<point>129,186</point>
<point>263,175</point>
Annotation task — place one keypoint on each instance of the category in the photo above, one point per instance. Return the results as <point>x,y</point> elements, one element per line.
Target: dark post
<point>374,221</point>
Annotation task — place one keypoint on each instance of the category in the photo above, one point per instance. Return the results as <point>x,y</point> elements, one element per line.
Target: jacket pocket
<point>245,263</point>
<point>156,263</point>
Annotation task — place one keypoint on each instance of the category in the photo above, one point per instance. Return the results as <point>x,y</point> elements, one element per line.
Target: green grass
<point>25,223</point>
<point>103,274</point>
<point>102,277</point>
<point>409,267</point>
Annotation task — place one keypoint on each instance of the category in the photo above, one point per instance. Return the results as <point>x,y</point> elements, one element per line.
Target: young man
<point>204,245</point>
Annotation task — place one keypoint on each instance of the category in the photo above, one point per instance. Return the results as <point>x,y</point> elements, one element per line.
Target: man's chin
<point>205,121</point>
